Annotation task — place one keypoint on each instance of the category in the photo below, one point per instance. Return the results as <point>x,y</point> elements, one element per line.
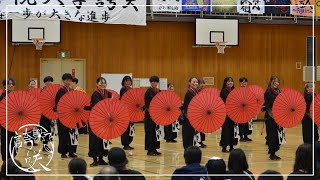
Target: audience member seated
<point>77,167</point>
<point>238,166</point>
<point>107,173</point>
<point>303,163</point>
<point>216,165</point>
<point>270,175</point>
<point>192,157</point>
<point>118,159</point>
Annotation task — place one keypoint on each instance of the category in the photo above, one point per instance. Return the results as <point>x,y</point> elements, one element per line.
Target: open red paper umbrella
<point>259,93</point>
<point>47,101</point>
<point>206,112</point>
<point>23,109</point>
<point>115,94</point>
<point>241,105</point>
<point>35,92</point>
<point>109,119</point>
<point>315,112</point>
<point>289,108</point>
<point>283,89</point>
<point>164,108</point>
<point>214,91</point>
<point>134,101</point>
<point>70,109</point>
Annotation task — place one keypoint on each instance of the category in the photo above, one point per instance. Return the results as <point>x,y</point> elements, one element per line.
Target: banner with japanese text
<point>250,7</point>
<point>166,5</point>
<point>132,12</point>
<point>196,5</point>
<point>303,7</point>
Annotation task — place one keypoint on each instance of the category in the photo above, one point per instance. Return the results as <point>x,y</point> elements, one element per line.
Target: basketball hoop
<point>220,46</point>
<point>38,42</point>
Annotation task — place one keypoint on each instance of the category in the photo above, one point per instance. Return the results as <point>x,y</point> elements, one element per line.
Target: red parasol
<point>164,108</point>
<point>115,94</point>
<point>23,109</point>
<point>283,89</point>
<point>241,105</point>
<point>109,119</point>
<point>289,108</point>
<point>70,109</point>
<point>134,101</point>
<point>1,91</point>
<point>47,101</point>
<point>214,91</point>
<point>35,92</point>
<point>259,94</point>
<point>206,112</point>
<point>316,110</point>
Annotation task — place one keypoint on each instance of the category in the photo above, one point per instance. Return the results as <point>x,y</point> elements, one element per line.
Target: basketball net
<point>220,46</point>
<point>38,42</point>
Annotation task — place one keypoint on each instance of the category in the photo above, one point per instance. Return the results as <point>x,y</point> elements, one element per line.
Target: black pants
<point>126,139</point>
<point>188,133</point>
<point>4,147</point>
<point>65,146</point>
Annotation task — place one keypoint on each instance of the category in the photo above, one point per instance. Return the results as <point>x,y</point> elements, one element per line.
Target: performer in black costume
<point>307,119</point>
<point>151,143</point>
<point>126,139</point>
<point>44,121</point>
<point>96,144</point>
<point>227,133</point>
<point>272,127</point>
<point>4,140</point>
<point>65,146</point>
<point>188,132</point>
<point>244,130</point>
<point>170,136</point>
<point>32,84</point>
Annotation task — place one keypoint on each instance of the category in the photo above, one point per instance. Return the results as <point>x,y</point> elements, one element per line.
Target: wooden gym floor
<point>172,154</point>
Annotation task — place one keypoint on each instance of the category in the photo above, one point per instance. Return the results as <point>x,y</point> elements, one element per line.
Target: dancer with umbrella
<point>188,132</point>
<point>4,149</point>
<point>244,128</point>
<point>66,135</point>
<point>96,144</point>
<point>202,85</point>
<point>151,142</point>
<point>74,86</point>
<point>44,121</point>
<point>307,121</point>
<point>272,127</point>
<point>126,139</point>
<point>170,135</point>
<point>228,127</point>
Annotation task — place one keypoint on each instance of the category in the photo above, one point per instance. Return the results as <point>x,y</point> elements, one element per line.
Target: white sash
<point>159,132</point>
<point>176,126</point>
<point>73,138</point>
<point>236,130</point>
<point>197,139</point>
<point>132,130</point>
<point>281,136</point>
<point>105,144</point>
<point>250,125</point>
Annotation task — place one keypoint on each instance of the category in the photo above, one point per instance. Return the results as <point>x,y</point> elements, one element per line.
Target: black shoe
<point>247,139</point>
<point>128,148</point>
<point>174,141</point>
<point>102,162</point>
<point>273,157</point>
<point>231,149</point>
<point>243,139</point>
<point>224,150</point>
<point>73,155</point>
<point>64,156</point>
<point>158,153</point>
<point>95,163</point>
<point>278,158</point>
<point>203,145</point>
